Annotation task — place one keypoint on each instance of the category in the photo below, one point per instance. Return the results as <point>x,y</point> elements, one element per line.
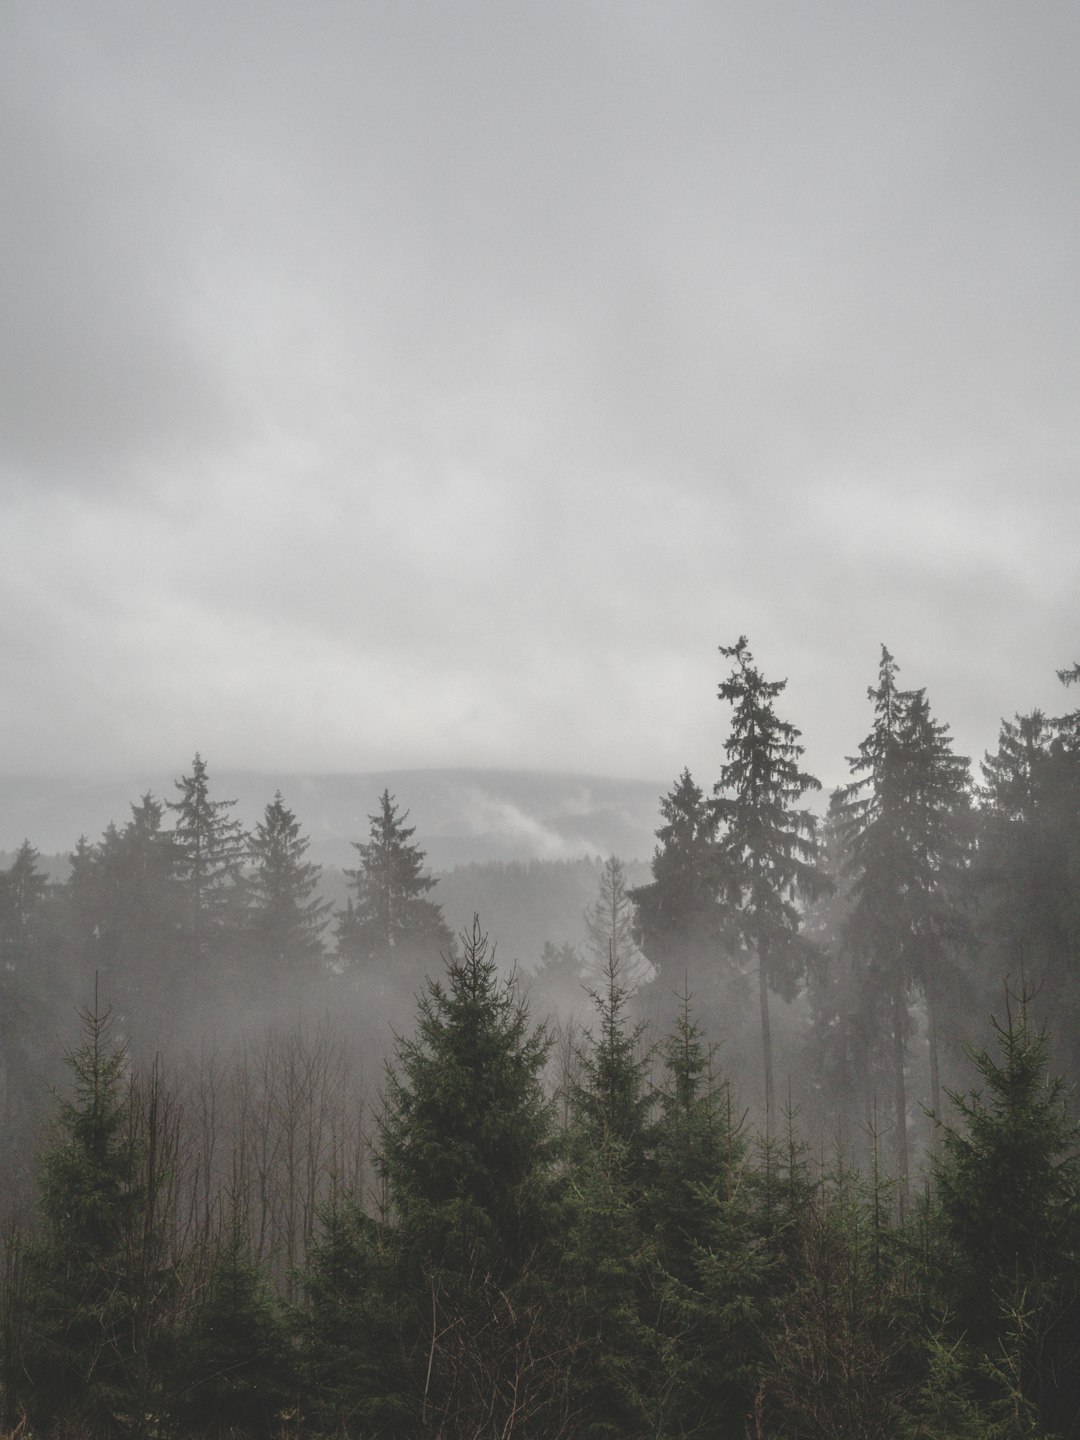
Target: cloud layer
<point>386,386</point>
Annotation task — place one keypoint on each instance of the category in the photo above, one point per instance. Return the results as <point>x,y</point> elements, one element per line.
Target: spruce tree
<point>465,1151</point>
<point>679,913</point>
<point>98,1274</point>
<point>390,928</point>
<point>610,924</point>
<point>607,1261</point>
<point>903,824</point>
<point>710,1271</point>
<point>768,845</point>
<point>1007,1181</point>
<point>286,915</point>
<point>235,1371</point>
<point>1026,869</point>
<point>210,850</point>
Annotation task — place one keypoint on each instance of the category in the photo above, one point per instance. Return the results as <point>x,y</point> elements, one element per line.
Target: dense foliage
<point>563,1218</point>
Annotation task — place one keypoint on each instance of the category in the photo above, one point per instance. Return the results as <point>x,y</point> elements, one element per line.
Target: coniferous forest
<point>786,1148</point>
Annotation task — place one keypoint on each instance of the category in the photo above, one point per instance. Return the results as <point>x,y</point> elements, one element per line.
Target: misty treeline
<point>753,1160</point>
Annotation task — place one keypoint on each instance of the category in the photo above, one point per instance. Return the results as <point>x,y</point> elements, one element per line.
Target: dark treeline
<point>768,1168</point>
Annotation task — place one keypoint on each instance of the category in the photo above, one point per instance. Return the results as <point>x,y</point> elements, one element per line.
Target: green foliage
<point>455,1270</point>
<point>768,846</point>
<point>1008,1186</point>
<point>286,915</point>
<point>91,1347</point>
<point>680,917</point>
<point>610,925</point>
<point>235,1371</point>
<point>390,927</point>
<point>903,825</point>
<point>607,1257</point>
<point>710,1268</point>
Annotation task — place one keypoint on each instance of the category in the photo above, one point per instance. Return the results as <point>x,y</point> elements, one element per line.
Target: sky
<point>392,385</point>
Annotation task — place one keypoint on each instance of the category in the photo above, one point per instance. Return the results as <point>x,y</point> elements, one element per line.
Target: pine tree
<point>680,915</point>
<point>210,849</point>
<point>768,845</point>
<point>125,911</point>
<point>286,915</point>
<point>607,1259</point>
<point>903,821</point>
<point>99,1279</point>
<point>465,1150</point>
<point>33,990</point>
<point>609,925</point>
<point>235,1372</point>
<point>1007,1180</point>
<point>391,927</point>
<point>710,1271</point>
<point>1026,871</point>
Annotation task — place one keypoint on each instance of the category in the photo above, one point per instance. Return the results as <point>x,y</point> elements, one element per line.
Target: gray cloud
<point>402,385</point>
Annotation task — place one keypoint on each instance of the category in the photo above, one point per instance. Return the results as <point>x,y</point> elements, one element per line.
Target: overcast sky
<point>387,384</point>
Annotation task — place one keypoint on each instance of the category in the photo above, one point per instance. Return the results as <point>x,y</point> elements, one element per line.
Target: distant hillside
<point>461,816</point>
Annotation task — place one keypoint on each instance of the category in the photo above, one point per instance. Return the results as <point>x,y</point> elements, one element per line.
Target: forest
<point>786,1147</point>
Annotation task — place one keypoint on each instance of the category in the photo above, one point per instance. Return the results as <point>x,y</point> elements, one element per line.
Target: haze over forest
<point>467,473</point>
<point>420,386</point>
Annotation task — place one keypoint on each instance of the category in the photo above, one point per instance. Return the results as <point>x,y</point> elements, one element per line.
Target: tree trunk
<point>935,1064</point>
<point>766,1027</point>
<point>900,1090</point>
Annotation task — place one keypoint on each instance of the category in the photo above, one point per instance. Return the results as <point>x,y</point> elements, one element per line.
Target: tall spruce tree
<point>710,1270</point>
<point>210,849</point>
<point>390,927</point>
<point>903,821</point>
<point>1026,871</point>
<point>679,913</point>
<point>465,1149</point>
<point>99,1273</point>
<point>1007,1180</point>
<point>768,845</point>
<point>286,915</point>
<point>607,1259</point>
<point>609,927</point>
<point>877,935</point>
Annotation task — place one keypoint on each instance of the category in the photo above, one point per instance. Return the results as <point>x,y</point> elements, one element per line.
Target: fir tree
<point>235,1368</point>
<point>390,925</point>
<point>465,1151</point>
<point>210,850</point>
<point>1007,1180</point>
<point>610,924</point>
<point>679,914</point>
<point>710,1270</point>
<point>903,823</point>
<point>768,845</point>
<point>607,1255</point>
<point>286,915</point>
<point>97,1273</point>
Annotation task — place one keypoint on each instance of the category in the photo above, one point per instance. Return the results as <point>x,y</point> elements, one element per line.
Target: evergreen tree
<point>390,926</point>
<point>710,1271</point>
<point>905,827</point>
<point>210,849</point>
<point>1026,871</point>
<point>1007,1180</point>
<point>767,844</point>
<point>235,1370</point>
<point>125,911</point>
<point>680,916</point>
<point>610,924</point>
<point>33,992</point>
<point>607,1255</point>
<point>98,1274</point>
<point>286,915</point>
<point>465,1152</point>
